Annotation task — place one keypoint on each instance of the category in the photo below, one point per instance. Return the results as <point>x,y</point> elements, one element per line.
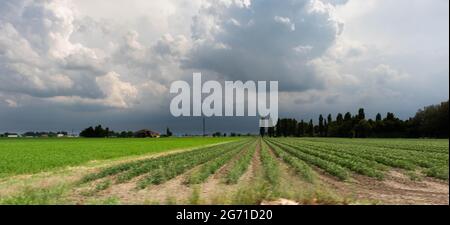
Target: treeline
<point>432,121</point>
<point>44,134</point>
<point>100,132</point>
<point>35,134</point>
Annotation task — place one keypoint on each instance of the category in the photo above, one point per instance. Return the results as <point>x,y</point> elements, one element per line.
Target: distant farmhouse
<point>61,134</point>
<point>12,135</point>
<point>145,133</point>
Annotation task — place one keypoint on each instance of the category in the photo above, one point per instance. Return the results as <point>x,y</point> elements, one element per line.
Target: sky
<point>67,65</point>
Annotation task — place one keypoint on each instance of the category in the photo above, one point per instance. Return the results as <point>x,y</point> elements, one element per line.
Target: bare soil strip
<point>396,188</point>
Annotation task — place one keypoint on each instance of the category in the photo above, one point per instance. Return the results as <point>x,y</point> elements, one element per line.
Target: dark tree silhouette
<point>321,126</point>
<point>431,121</point>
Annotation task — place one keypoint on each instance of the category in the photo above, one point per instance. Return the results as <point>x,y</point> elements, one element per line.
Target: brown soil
<point>396,189</point>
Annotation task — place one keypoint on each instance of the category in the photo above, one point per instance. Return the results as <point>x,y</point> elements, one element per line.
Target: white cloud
<point>385,73</point>
<point>285,21</point>
<point>303,49</point>
<point>118,93</point>
<point>11,103</point>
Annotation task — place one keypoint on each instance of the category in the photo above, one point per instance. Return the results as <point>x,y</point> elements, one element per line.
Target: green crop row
<point>139,167</point>
<point>300,167</point>
<point>364,152</point>
<point>422,159</point>
<point>351,164</point>
<point>337,153</point>
<point>176,167</point>
<point>434,164</point>
<point>270,165</point>
<point>419,145</point>
<point>329,167</point>
<point>241,165</point>
<point>209,168</point>
<point>160,163</point>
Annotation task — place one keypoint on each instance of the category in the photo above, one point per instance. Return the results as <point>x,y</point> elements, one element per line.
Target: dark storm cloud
<point>264,41</point>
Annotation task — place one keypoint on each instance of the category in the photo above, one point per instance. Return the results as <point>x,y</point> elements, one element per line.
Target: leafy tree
<point>348,116</point>
<point>339,118</point>
<point>378,117</point>
<point>271,131</point>
<point>88,132</point>
<point>321,126</point>
<point>278,128</point>
<point>361,114</point>
<point>168,132</point>
<point>311,129</point>
<point>262,131</point>
<point>301,128</point>
<point>362,129</point>
<point>431,121</point>
<point>329,119</point>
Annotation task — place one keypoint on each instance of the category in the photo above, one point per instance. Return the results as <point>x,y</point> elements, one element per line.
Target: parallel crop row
<point>419,145</point>
<point>136,168</point>
<point>363,152</point>
<point>209,168</point>
<point>434,164</point>
<point>169,165</point>
<point>337,153</point>
<point>241,165</point>
<point>300,167</point>
<point>270,165</point>
<point>352,163</point>
<point>176,167</point>
<point>330,167</point>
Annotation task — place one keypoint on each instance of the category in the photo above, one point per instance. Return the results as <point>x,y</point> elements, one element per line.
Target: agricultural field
<point>236,171</point>
<point>21,156</point>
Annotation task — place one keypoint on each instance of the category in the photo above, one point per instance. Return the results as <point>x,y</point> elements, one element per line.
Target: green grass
<point>23,156</point>
<point>37,196</point>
